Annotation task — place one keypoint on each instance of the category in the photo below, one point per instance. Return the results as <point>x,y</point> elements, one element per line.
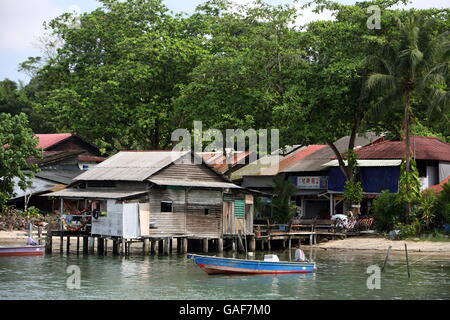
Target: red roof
<point>289,160</point>
<point>438,187</point>
<point>424,148</point>
<point>50,139</point>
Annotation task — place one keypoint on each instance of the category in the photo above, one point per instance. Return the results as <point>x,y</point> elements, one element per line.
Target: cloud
<point>21,22</point>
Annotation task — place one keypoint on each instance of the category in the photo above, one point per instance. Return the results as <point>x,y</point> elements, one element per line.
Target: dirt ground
<point>380,243</point>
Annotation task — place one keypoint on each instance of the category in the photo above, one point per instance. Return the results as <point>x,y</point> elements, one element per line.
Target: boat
<point>270,264</point>
<point>21,251</point>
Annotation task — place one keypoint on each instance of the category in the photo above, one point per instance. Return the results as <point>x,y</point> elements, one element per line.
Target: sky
<point>21,24</point>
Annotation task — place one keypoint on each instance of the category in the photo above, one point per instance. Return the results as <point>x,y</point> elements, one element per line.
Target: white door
<point>131,227</point>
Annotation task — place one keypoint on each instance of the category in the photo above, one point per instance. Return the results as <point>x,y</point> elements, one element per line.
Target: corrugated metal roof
<point>256,167</point>
<point>291,159</point>
<point>132,166</point>
<point>221,162</point>
<point>367,163</point>
<point>59,176</point>
<point>315,161</point>
<point>38,186</point>
<point>423,148</point>
<point>95,194</point>
<point>194,183</point>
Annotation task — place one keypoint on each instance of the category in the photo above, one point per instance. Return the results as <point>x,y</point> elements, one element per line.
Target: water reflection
<point>340,275</point>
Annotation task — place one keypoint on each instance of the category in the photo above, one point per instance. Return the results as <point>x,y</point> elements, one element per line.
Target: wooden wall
<point>196,172</point>
<point>188,214</point>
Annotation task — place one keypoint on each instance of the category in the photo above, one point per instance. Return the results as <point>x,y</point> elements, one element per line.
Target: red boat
<point>21,251</point>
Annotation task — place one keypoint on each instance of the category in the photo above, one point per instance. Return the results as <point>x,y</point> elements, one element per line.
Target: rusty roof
<point>423,148</point>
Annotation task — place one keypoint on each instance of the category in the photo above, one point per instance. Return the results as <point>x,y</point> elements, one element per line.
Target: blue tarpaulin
<point>373,179</point>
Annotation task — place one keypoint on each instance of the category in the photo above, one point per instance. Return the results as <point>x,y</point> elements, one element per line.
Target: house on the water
<point>379,167</point>
<point>157,195</point>
<point>304,168</point>
<point>65,156</point>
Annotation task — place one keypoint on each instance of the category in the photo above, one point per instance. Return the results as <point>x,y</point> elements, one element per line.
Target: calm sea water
<point>340,275</point>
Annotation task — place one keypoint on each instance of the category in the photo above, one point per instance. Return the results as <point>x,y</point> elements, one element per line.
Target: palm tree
<point>416,64</point>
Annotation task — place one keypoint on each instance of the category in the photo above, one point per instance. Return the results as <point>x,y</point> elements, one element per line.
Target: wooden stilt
<point>68,244</point>
<point>386,258</point>
<point>407,261</point>
<point>152,247</point>
<point>205,245</point>
<point>91,244</point>
<point>166,246</point>
<point>220,245</point>
<point>146,246</point>
<point>105,250</point>
<point>251,243</point>
<point>269,246</point>
<point>100,246</point>
<point>78,245</point>
<point>233,245</point>
<point>39,235</point>
<point>115,250</point>
<point>123,247</point>
<point>61,242</point>
<point>170,245</point>
<point>185,245</point>
<point>85,244</point>
<point>161,246</point>
<point>48,242</point>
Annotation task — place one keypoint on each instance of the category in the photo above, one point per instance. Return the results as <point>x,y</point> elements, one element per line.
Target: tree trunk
<point>406,124</point>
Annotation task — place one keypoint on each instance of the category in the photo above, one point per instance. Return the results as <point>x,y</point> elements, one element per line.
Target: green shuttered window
<point>239,208</point>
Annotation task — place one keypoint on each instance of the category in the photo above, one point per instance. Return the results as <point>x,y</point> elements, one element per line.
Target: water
<point>340,275</point>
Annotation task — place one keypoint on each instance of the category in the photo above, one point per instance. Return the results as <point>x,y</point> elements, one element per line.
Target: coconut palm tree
<point>416,64</point>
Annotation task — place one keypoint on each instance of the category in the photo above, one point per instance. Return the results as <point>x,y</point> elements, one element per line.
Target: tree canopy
<point>130,72</point>
<point>17,145</point>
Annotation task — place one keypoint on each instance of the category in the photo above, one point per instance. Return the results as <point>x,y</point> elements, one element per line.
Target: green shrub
<point>387,211</point>
<point>408,230</point>
<point>32,212</point>
<point>442,205</point>
<point>426,209</point>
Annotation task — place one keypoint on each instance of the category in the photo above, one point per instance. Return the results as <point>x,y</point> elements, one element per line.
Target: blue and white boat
<point>270,264</point>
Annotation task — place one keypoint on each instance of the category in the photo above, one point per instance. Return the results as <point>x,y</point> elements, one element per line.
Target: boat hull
<point>216,265</point>
<point>22,251</point>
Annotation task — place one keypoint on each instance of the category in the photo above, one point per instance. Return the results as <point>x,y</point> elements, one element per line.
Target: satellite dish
<point>299,255</point>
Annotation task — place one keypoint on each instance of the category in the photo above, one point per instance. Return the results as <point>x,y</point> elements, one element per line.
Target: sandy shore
<point>380,243</point>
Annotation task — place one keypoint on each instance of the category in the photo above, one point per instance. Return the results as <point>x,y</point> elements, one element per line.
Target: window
<point>166,206</point>
<point>206,212</point>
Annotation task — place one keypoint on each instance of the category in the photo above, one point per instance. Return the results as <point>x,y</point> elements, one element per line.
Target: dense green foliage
<point>387,211</point>
<point>282,208</point>
<point>131,72</point>
<point>17,144</point>
<point>431,212</point>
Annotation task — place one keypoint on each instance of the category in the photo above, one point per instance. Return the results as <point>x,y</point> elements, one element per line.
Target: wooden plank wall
<point>195,222</point>
<point>194,172</point>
